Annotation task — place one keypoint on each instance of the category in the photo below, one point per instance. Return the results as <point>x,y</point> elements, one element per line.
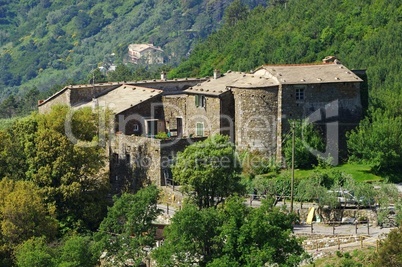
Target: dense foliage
<point>208,171</point>
<point>128,230</point>
<point>230,235</point>
<point>307,139</point>
<point>46,43</point>
<point>61,154</point>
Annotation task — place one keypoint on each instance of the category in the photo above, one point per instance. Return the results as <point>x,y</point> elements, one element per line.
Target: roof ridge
<point>299,64</point>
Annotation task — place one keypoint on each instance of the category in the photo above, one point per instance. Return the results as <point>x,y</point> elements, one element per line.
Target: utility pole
<point>293,168</point>
<point>93,79</point>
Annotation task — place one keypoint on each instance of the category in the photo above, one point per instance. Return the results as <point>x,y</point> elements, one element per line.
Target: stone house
<point>327,94</point>
<point>254,109</point>
<point>145,53</point>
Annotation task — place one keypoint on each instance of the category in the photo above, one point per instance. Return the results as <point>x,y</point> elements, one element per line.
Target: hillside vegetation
<point>46,43</point>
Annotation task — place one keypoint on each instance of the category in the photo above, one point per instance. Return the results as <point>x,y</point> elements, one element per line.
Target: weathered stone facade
<point>135,120</point>
<point>137,160</point>
<point>75,95</point>
<point>210,116</point>
<point>256,119</point>
<point>253,109</point>
<point>333,106</point>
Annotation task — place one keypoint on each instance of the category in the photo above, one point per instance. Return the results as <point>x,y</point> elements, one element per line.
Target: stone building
<point>254,109</point>
<point>145,53</point>
<point>327,94</point>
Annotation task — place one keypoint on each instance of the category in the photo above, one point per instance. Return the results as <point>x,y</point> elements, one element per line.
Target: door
<point>179,122</point>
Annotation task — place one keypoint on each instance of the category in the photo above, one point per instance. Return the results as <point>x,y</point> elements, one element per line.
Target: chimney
<point>217,74</point>
<point>163,76</point>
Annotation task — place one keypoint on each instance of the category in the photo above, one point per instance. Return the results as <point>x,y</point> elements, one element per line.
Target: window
<point>152,127</point>
<point>136,128</point>
<point>200,101</point>
<point>299,93</point>
<point>200,129</point>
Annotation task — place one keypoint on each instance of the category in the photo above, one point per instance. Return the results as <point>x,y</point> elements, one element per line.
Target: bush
<point>161,135</point>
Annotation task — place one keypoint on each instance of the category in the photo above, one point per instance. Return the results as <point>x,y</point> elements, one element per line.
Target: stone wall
<point>318,96</point>
<point>174,108</point>
<point>77,94</point>
<point>336,104</point>
<point>175,85</point>
<point>209,116</point>
<point>85,93</point>
<point>61,98</point>
<point>256,112</point>
<point>137,160</point>
<point>138,114</point>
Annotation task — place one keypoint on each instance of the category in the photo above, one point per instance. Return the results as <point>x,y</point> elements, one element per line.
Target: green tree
<point>259,236</point>
<point>23,213</point>
<point>128,230</point>
<point>208,171</point>
<point>306,138</point>
<point>15,144</point>
<point>377,141</point>
<point>76,252</point>
<point>390,251</point>
<point>66,161</point>
<point>311,189</point>
<point>387,194</point>
<point>363,192</point>
<point>235,11</point>
<point>122,73</point>
<point>274,188</point>
<point>34,253</point>
<point>9,107</point>
<point>62,153</point>
<point>190,238</point>
<point>230,235</point>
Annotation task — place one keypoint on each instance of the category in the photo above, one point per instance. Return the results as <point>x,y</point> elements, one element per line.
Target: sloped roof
<point>308,73</point>
<point>123,98</point>
<point>215,87</point>
<point>142,47</point>
<point>254,81</point>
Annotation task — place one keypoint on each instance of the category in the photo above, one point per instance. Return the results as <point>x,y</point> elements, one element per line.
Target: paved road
<point>343,229</point>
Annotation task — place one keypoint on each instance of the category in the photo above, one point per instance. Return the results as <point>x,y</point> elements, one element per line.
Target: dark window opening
<point>200,101</point>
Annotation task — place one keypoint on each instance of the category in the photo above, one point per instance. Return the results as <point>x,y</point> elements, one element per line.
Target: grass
<point>359,172</point>
<point>356,258</point>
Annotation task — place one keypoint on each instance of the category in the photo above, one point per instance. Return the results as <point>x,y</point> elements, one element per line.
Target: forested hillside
<point>45,43</point>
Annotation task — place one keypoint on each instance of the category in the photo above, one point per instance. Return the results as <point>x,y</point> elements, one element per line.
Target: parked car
<point>345,197</point>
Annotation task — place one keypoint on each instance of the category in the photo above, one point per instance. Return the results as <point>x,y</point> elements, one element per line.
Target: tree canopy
<point>128,230</point>
<point>208,171</point>
<point>230,235</point>
<point>65,163</point>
